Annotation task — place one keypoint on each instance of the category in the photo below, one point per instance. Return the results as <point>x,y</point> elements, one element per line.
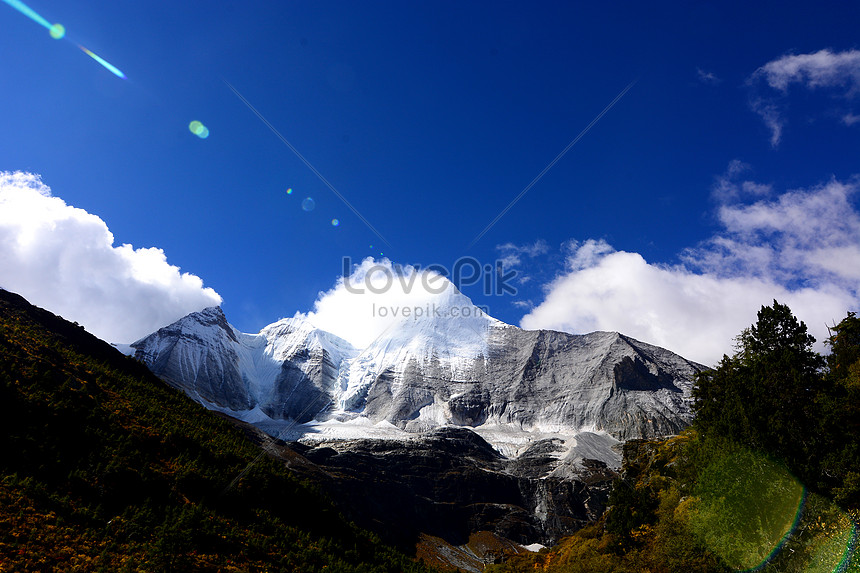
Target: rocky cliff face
<point>544,381</point>
<point>449,483</point>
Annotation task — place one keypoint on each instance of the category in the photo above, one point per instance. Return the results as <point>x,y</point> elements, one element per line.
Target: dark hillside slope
<point>106,468</point>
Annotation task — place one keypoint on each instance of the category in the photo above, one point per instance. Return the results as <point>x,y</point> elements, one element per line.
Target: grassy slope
<point>106,468</point>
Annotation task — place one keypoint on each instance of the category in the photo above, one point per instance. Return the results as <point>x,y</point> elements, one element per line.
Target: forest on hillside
<point>106,468</point>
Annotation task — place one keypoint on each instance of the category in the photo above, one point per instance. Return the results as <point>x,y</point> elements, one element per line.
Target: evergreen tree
<point>763,397</point>
<point>843,363</point>
<point>839,431</point>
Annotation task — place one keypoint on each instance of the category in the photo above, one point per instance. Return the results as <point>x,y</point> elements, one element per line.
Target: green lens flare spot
<point>748,507</point>
<point>335,222</point>
<point>57,31</point>
<point>290,191</point>
<point>198,129</point>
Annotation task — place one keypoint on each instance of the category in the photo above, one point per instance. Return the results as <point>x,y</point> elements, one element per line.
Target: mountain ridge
<point>426,373</point>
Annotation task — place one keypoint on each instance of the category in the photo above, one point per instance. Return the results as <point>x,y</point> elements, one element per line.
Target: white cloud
<point>802,248</point>
<point>62,258</point>
<point>772,118</point>
<point>709,78</point>
<point>796,236</point>
<point>729,186</point>
<point>351,309</point>
<point>512,254</point>
<point>822,69</point>
<point>587,254</point>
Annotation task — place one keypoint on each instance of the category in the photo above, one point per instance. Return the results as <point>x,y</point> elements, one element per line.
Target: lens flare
<point>110,67</point>
<point>289,191</point>
<point>308,204</point>
<point>28,12</point>
<point>756,516</point>
<point>198,129</point>
<point>335,222</point>
<point>58,31</point>
<point>748,507</point>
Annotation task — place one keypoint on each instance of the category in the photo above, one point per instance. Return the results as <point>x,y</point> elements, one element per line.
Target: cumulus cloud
<point>63,258</point>
<point>801,248</point>
<point>353,308</point>
<point>823,69</point>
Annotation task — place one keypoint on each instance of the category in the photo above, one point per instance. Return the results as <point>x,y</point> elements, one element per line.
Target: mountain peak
<point>198,322</point>
<point>209,315</point>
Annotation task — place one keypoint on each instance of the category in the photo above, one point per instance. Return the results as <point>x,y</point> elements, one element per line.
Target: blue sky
<point>429,118</point>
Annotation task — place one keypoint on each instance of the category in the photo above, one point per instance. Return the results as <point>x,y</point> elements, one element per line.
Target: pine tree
<point>839,430</point>
<point>763,397</point>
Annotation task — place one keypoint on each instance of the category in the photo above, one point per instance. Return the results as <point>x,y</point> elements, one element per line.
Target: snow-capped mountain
<point>281,373</point>
<point>452,365</point>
